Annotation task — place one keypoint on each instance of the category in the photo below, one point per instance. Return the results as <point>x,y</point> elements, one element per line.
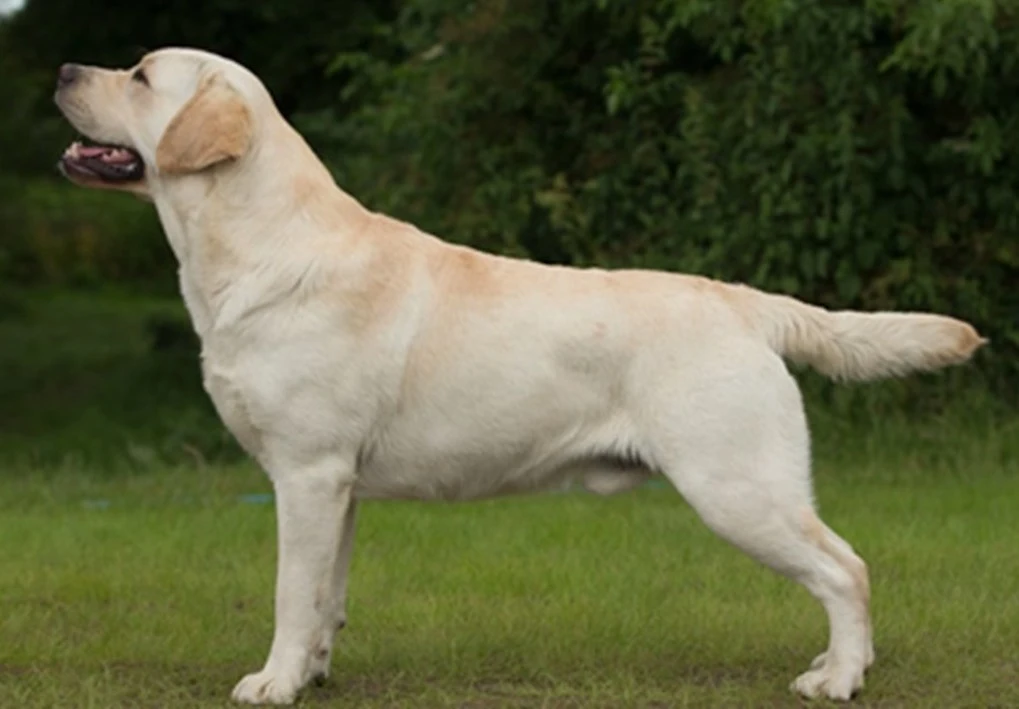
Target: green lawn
<point>156,591</point>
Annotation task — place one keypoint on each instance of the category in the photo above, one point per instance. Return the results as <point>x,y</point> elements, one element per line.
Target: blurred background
<point>855,154</point>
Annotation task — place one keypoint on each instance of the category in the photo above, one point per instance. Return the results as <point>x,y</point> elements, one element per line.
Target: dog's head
<point>178,112</point>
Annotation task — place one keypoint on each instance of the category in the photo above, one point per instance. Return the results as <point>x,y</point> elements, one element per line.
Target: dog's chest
<point>232,400</point>
<point>287,392</point>
<point>244,385</point>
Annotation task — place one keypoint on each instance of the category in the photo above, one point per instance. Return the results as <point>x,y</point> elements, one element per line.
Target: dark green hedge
<point>855,154</point>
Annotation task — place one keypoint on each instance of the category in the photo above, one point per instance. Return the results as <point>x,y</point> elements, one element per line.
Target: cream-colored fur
<point>356,357</point>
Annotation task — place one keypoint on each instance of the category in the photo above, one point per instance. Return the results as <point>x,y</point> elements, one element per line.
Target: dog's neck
<point>240,231</point>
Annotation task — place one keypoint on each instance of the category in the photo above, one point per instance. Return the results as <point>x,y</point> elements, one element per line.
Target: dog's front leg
<point>311,505</point>
<point>338,606</point>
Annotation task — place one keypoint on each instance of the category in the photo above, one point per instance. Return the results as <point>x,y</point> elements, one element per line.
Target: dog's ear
<point>215,125</point>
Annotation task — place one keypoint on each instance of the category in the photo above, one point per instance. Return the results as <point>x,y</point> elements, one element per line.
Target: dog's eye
<point>140,77</point>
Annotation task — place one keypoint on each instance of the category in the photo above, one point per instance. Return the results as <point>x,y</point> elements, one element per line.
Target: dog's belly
<point>452,481</point>
<point>471,475</point>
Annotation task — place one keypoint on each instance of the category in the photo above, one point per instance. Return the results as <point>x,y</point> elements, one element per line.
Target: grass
<point>136,568</point>
<point>157,591</point>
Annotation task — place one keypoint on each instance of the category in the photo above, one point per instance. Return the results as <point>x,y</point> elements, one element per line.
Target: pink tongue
<point>91,151</point>
<point>106,154</point>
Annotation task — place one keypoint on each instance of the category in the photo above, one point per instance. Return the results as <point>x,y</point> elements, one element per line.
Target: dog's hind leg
<point>842,553</point>
<point>738,450</point>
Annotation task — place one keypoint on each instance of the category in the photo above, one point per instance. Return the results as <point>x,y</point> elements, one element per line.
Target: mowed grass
<point>156,591</point>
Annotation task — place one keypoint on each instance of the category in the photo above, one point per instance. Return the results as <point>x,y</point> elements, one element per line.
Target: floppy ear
<point>215,125</point>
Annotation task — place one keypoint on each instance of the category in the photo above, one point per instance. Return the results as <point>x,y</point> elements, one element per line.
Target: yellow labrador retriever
<point>356,357</point>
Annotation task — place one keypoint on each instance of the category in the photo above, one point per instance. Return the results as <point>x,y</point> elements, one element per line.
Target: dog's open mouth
<point>109,163</point>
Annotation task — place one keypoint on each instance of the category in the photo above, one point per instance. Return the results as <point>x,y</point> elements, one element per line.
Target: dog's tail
<point>853,345</point>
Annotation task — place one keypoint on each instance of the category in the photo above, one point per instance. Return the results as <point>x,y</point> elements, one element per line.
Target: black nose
<point>68,74</point>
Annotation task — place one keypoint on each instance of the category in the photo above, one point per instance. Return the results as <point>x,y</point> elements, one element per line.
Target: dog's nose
<point>68,74</point>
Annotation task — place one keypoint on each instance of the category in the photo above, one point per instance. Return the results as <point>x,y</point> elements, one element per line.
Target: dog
<point>357,357</point>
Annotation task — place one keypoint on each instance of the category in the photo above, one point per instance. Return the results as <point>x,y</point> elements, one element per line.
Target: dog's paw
<point>826,681</point>
<point>266,687</point>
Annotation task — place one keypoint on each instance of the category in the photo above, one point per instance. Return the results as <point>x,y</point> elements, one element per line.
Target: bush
<point>57,234</point>
<point>854,154</point>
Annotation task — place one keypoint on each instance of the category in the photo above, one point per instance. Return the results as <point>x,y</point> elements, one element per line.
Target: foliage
<point>62,235</point>
<point>287,44</point>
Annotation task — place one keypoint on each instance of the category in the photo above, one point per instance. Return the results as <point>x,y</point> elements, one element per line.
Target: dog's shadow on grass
<point>624,684</point>
<point>673,681</point>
